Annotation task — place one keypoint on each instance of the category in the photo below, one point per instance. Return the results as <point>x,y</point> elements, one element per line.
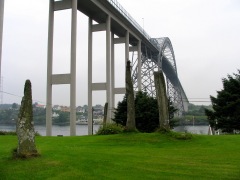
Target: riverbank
<point>83,129</point>
<point>125,156</point>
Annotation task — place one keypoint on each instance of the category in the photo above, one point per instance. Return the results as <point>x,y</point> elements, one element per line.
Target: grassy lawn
<point>125,156</point>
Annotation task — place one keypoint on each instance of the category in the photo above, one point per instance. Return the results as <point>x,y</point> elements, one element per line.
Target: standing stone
<point>130,126</point>
<point>162,100</point>
<point>105,114</point>
<point>25,128</point>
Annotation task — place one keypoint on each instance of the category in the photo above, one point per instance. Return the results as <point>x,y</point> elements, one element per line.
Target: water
<point>81,130</point>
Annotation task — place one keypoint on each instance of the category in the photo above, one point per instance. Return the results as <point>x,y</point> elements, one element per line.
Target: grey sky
<point>204,34</point>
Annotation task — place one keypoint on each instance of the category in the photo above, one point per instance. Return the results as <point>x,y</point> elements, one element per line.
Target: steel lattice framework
<point>166,62</point>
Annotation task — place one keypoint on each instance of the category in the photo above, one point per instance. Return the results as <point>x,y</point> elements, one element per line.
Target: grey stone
<point>161,96</point>
<point>25,126</point>
<point>130,125</point>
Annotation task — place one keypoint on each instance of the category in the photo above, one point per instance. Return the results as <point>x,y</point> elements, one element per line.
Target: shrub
<point>8,133</point>
<point>110,129</point>
<point>14,133</point>
<point>176,135</point>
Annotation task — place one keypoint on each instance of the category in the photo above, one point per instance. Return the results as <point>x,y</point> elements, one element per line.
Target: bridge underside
<point>152,55</point>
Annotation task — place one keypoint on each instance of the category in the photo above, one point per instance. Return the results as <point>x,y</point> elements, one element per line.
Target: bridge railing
<point>119,7</point>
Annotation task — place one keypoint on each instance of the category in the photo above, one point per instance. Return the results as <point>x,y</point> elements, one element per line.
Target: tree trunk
<point>130,125</point>
<point>161,96</point>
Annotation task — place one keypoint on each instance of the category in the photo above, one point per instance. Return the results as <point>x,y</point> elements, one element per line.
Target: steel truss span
<point>166,62</point>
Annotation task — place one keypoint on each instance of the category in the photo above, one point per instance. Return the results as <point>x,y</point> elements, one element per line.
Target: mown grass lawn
<point>125,156</point>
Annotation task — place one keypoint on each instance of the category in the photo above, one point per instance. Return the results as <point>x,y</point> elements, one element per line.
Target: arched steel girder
<point>165,61</point>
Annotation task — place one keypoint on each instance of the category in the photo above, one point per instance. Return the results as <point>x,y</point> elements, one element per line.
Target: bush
<point>14,133</point>
<point>8,133</point>
<point>110,129</point>
<point>176,135</point>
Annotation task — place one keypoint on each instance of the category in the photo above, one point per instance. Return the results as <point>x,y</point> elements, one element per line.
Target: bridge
<point>153,54</point>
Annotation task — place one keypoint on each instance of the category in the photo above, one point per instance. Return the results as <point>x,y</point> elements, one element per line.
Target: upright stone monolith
<point>162,100</point>
<point>25,127</point>
<point>105,114</point>
<point>130,125</point>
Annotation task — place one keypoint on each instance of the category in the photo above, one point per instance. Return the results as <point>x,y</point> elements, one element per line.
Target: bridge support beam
<point>63,78</point>
<point>108,70</point>
<point>73,70</point>
<point>49,69</point>
<point>120,90</point>
<point>1,35</point>
<point>90,118</point>
<point>112,75</point>
<point>107,86</point>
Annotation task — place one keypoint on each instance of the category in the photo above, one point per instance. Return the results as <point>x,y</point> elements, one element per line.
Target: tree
<point>14,106</point>
<point>120,113</point>
<point>62,119</point>
<point>226,106</point>
<point>147,116</point>
<point>171,111</point>
<point>146,112</point>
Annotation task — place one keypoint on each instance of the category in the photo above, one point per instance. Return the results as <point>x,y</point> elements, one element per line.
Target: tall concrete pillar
<point>90,77</point>
<point>139,78</point>
<point>49,69</point>
<point>1,35</point>
<point>112,75</point>
<point>108,71</point>
<point>62,78</point>
<point>73,69</point>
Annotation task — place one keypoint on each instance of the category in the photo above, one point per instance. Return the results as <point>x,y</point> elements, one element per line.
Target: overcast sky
<point>204,34</point>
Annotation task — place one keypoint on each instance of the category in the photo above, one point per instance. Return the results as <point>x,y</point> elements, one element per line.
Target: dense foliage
<point>146,112</point>
<point>9,114</point>
<point>110,129</point>
<point>226,106</point>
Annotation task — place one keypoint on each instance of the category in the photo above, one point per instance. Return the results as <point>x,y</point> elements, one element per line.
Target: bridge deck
<point>91,9</point>
<point>98,10</point>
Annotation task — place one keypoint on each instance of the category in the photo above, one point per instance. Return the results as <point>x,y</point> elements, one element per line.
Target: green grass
<point>125,156</point>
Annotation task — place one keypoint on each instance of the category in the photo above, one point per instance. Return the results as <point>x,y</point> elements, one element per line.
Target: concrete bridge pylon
<point>53,79</point>
<point>1,36</point>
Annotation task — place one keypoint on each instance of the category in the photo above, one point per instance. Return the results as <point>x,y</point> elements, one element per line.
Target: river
<point>82,130</point>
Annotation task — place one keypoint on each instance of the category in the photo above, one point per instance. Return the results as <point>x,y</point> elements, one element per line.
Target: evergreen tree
<point>146,112</point>
<point>120,113</point>
<point>147,116</point>
<point>226,106</point>
<point>171,110</point>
